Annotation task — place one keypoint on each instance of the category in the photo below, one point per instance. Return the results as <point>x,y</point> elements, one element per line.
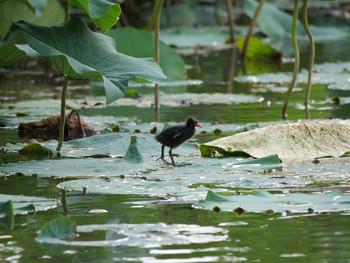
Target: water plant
<point>79,53</point>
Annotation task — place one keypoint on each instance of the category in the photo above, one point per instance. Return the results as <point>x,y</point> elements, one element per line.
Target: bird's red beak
<point>198,125</point>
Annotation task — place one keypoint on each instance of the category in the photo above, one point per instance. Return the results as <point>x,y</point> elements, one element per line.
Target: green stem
<point>66,11</point>
<point>158,7</point>
<point>297,58</point>
<point>63,113</point>
<point>231,19</point>
<point>311,59</point>
<point>155,15</point>
<point>251,28</point>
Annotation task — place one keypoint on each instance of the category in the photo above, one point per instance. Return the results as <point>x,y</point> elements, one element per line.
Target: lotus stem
<point>231,19</point>
<point>297,58</point>
<point>64,200</point>
<point>231,73</point>
<point>158,7</point>
<point>312,56</point>
<point>63,113</point>
<point>155,15</point>
<point>251,28</point>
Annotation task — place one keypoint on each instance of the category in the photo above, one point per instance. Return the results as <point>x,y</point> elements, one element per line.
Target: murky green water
<point>173,232</point>
<point>206,237</point>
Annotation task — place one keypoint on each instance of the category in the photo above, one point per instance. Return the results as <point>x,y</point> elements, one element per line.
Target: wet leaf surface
<point>263,201</point>
<point>27,204</point>
<point>292,141</point>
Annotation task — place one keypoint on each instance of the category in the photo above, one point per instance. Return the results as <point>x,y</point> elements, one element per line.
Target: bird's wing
<point>175,134</point>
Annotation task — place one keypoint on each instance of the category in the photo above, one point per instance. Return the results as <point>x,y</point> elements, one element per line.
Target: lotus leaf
<point>98,60</point>
<point>104,13</point>
<point>128,41</point>
<point>291,141</point>
<point>27,204</point>
<point>277,24</point>
<point>263,201</point>
<point>58,228</point>
<point>14,10</point>
<point>36,6</point>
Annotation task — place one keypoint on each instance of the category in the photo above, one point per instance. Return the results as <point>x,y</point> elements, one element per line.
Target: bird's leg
<point>171,156</point>
<point>162,156</point>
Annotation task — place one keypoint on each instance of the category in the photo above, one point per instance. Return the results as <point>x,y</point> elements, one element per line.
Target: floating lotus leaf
<point>263,201</point>
<point>20,202</point>
<point>291,141</point>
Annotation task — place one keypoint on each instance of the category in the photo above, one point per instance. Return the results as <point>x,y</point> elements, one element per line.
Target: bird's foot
<point>183,164</point>
<point>165,161</point>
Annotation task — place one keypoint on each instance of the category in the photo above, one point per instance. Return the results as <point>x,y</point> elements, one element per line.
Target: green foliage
<point>277,24</point>
<point>263,201</point>
<point>14,10</point>
<point>133,155</point>
<point>103,13</point>
<point>58,228</point>
<point>7,214</point>
<point>268,163</point>
<point>35,151</point>
<point>103,64</point>
<point>257,49</point>
<point>36,6</point>
<point>128,41</point>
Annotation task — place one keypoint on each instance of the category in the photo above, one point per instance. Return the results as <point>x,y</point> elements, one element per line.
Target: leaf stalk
<point>297,58</point>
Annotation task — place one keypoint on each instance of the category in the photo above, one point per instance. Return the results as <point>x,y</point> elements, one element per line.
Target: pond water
<point>160,228</point>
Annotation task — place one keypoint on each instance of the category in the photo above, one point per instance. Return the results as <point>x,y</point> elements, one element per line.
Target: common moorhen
<point>176,135</point>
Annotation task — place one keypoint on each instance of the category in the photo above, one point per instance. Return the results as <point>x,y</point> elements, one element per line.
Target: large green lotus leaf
<point>191,179</point>
<point>104,14</point>
<point>263,201</point>
<point>36,6</point>
<point>138,235</point>
<point>188,183</point>
<point>98,60</point>
<point>292,141</point>
<point>86,152</point>
<point>137,186</point>
<point>128,41</point>
<point>15,10</point>
<point>182,181</point>
<point>28,204</point>
<point>277,24</point>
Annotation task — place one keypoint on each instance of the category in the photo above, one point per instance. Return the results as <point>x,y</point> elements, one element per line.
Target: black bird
<point>176,135</point>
